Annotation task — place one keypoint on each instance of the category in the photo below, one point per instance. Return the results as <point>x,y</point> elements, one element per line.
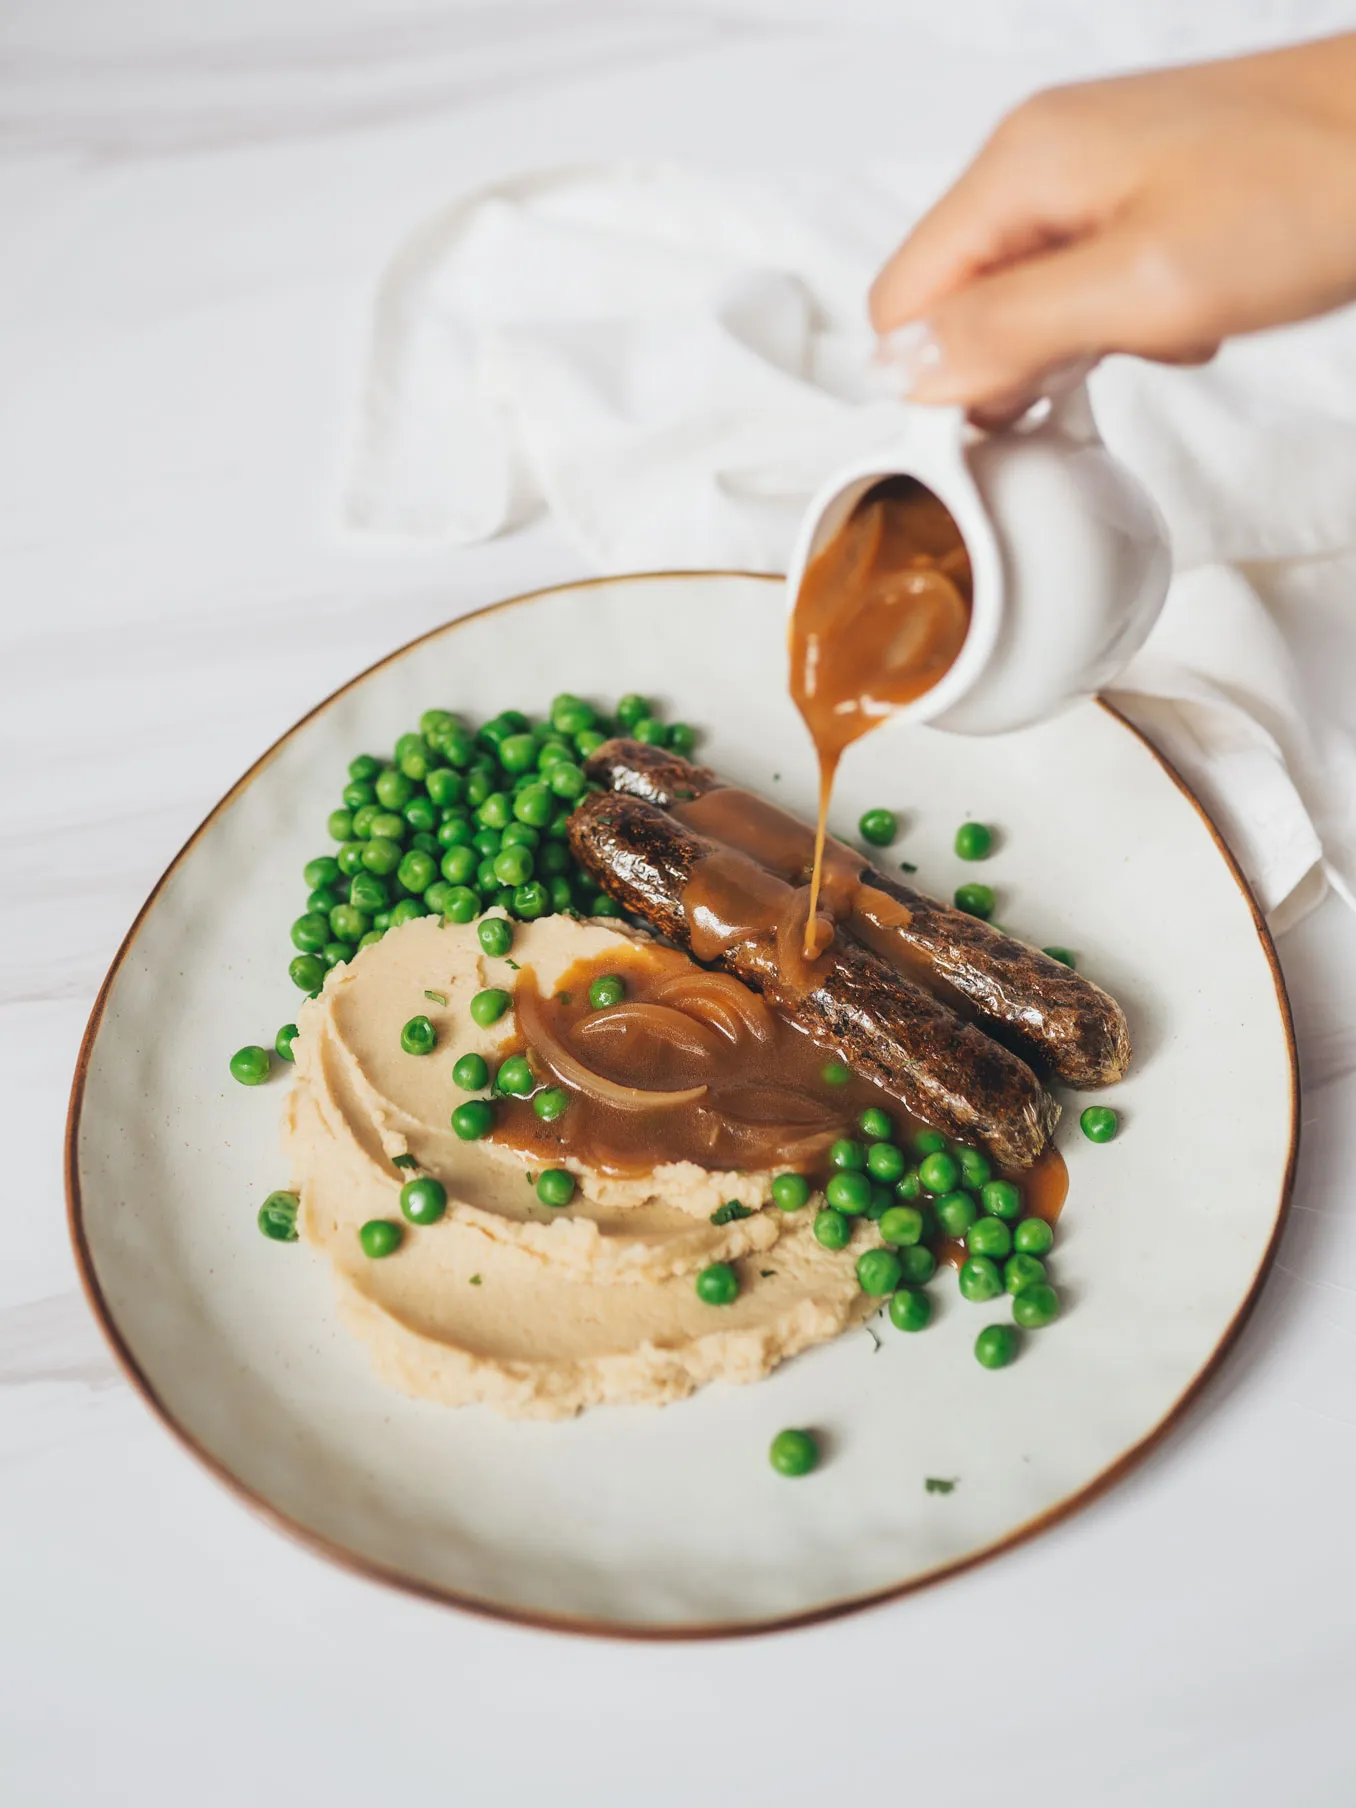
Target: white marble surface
<point>192,206</point>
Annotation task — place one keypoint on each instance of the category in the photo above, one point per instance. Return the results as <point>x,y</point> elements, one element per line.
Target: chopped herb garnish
<point>437,997</point>
<point>730,1212</point>
<point>776,778</point>
<point>514,965</point>
<point>564,997</point>
<point>404,1161</point>
<point>475,1280</point>
<point>937,1484</point>
<point>874,1338</point>
<point>767,1273</point>
<point>907,866</point>
<point>685,797</point>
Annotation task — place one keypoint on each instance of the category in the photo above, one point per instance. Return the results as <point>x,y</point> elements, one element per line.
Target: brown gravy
<point>882,612</point>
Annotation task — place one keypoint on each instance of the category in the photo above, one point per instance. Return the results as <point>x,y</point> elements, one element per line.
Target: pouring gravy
<point>882,613</point>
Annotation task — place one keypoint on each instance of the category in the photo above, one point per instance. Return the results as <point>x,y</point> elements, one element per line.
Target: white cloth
<point>671,364</point>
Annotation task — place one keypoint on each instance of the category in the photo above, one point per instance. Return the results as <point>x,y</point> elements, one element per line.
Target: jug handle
<point>1071,414</point>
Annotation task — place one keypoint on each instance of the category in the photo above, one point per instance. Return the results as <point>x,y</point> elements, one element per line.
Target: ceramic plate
<point>671,1521</point>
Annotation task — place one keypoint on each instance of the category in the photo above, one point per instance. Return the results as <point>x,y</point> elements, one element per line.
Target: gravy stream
<point>882,613</point>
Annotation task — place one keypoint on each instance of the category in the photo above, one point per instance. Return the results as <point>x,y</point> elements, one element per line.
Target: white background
<point>193,205</point>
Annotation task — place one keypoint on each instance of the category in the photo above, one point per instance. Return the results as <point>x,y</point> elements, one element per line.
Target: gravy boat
<point>1069,553</point>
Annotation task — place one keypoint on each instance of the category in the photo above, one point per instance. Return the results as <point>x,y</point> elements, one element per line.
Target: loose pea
<point>501,898</point>
<point>458,748</point>
<point>535,805</point>
<point>419,1036</point>
<point>909,1185</point>
<point>558,829</point>
<point>406,911</point>
<point>445,787</point>
<point>363,819</point>
<point>250,1065</point>
<point>793,1452</point>
<point>602,906</point>
<point>875,1125</point>
<point>310,932</point>
<point>435,723</point>
<point>485,878</point>
<point>831,1228</point>
<point>531,901</point>
<point>929,1142</point>
<point>650,730</point>
<point>380,1237</point>
<point>1033,1237</point>
<point>389,825</point>
<point>552,752</point>
<point>381,855</point>
<point>955,1213</point>
<point>910,1310</point>
<point>878,827</point>
<point>339,825</point>
<point>335,953</point>
<point>881,1200</point>
<point>382,921</point>
<point>423,1201</point>
<point>278,1217</point>
<point>1021,1271</point>
<point>1001,1199</point>
<point>421,814</point>
<point>682,738</point>
<point>517,753</point>
<point>348,924</point>
<point>496,812</point>
<point>513,865</point>
<point>394,789</point>
<point>567,780</point>
<point>461,905</point>
<point>608,989</point>
<point>633,708</point>
<point>516,1077</point>
<point>588,741</point>
<point>878,1271</point>
<point>790,1192</point>
<point>989,1237</point>
<point>284,1039</point>
<point>555,1187</point>
<point>980,1280</point>
<point>521,834</point>
<point>368,893</point>
<point>364,767</point>
<point>901,1225</point>
<point>1065,956</point>
<point>848,1191</point>
<point>561,896</point>
<point>459,865</point>
<point>939,1172</point>
<point>975,1166</point>
<point>1035,1306</point>
<point>479,786</point>
<point>718,1285</point>
<point>847,1154</point>
<point>417,870</point>
<point>833,1073</point>
<point>456,831</point>
<point>885,1162</point>
<point>321,901</point>
<point>495,935</point>
<point>552,1102</point>
<point>324,871</point>
<point>973,841</point>
<point>350,858</point>
<point>918,1263</point>
<point>573,718</point>
<point>471,1073</point>
<point>975,900</point>
<point>307,972</point>
<point>473,1120</point>
<point>488,1007</point>
<point>996,1346</point>
<point>373,935</point>
<point>1099,1123</point>
<point>553,860</point>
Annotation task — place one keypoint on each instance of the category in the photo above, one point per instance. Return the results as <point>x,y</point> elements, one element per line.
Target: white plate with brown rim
<point>670,1522</point>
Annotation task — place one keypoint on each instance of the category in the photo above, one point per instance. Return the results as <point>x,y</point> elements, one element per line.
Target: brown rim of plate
<point>597,1628</point>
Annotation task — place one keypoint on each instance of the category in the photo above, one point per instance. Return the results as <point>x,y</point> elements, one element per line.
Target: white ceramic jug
<point>1069,553</point>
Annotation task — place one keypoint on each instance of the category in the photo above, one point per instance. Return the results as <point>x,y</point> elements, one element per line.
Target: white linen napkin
<point>671,364</point>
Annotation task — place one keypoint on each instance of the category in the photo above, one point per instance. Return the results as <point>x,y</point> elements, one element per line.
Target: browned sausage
<point>850,1002</point>
<point>1051,1015</point>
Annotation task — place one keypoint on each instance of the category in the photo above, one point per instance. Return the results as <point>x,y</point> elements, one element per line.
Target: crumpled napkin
<point>672,364</point>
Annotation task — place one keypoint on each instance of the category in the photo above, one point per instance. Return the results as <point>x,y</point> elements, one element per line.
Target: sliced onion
<point>676,1027</point>
<point>546,1044</point>
<point>720,1000</point>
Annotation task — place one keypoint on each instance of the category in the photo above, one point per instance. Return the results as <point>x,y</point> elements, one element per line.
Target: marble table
<point>193,203</point>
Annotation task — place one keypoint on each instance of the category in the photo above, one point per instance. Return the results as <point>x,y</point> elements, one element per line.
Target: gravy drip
<point>882,613</point>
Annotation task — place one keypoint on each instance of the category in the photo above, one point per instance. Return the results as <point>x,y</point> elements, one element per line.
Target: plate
<point>670,1522</point>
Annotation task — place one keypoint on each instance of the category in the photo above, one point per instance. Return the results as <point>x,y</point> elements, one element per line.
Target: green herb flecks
<point>730,1212</point>
<point>404,1161</point>
<point>938,1484</point>
<point>436,997</point>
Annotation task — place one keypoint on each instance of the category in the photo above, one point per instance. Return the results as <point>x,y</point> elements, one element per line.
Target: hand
<point>1155,214</point>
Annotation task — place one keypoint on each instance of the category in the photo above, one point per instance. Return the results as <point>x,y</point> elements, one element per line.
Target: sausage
<point>851,1003</point>
<point>1053,1017</point>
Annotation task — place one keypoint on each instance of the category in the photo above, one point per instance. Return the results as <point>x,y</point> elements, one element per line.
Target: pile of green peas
<point>459,820</point>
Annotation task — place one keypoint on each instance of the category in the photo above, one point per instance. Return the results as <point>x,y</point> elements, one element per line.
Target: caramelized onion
<point>565,1066</point>
<point>686,1033</point>
<point>719,999</point>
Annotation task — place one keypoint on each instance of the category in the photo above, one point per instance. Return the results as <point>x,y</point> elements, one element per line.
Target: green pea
<point>901,1225</point>
<point>975,900</point>
<point>363,820</point>
<point>394,789</point>
<point>682,738</point>
<point>790,1192</point>
<point>419,1036</point>
<point>939,1172</point>
<point>307,972</point>
<point>417,870</point>
<point>1035,1306</point>
<point>793,1452</point>
<point>518,752</point>
<point>633,708</point>
<point>847,1154</point>
<point>368,893</point>
<point>918,1264</point>
<point>435,723</point>
<point>459,865</point>
<point>555,1187</point>
<point>278,1217</point>
<point>321,901</point>
<point>473,1120</point>
<point>979,1280</point>
<point>553,750</point>
<point>461,905</point>
<point>350,858</point>
<point>407,910</point>
<point>251,1065</point>
<point>929,1142</point>
<point>1021,1271</point>
<point>364,767</point>
<point>831,1228</point>
<point>496,812</point>
<point>380,1237</point>
<point>458,748</point>
<point>552,1102</point>
<point>996,1346</point>
<point>514,865</point>
<point>487,842</point>
<point>335,954</point>
<point>910,1310</point>
<point>558,829</point>
<point>521,834</point>
<point>650,730</point>
<point>516,1077</point>
<point>284,1039</point>
<point>339,825</point>
<point>414,762</point>
<point>588,741</point>
<point>424,1200</point>
<point>881,1201</point>
<point>878,827</point>
<point>479,786</point>
<point>848,1191</point>
<point>1033,1237</point>
<point>878,1271</point>
<point>531,901</point>
<point>1001,1199</point>
<point>561,896</point>
<point>975,1166</point>
<point>381,855</point>
<point>833,1073</point>
<point>1065,956</point>
<point>608,989</point>
<point>389,825</point>
<point>909,1185</point>
<point>488,1007</point>
<point>973,841</point>
<point>1099,1123</point>
<point>445,787</point>
<point>885,1162</point>
<point>956,1212</point>
<point>485,879</point>
<point>348,924</point>
<point>553,860</point>
<point>534,805</point>
<point>324,871</point>
<point>989,1237</point>
<point>456,831</point>
<point>495,935</point>
<point>373,935</point>
<point>718,1285</point>
<point>573,717</point>
<point>875,1125</point>
<point>310,932</point>
<point>471,1073</point>
<point>600,905</point>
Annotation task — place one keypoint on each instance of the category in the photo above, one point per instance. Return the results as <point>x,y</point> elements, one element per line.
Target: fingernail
<point>906,356</point>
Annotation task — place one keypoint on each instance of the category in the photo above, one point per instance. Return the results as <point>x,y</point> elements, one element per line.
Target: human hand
<point>1155,214</point>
